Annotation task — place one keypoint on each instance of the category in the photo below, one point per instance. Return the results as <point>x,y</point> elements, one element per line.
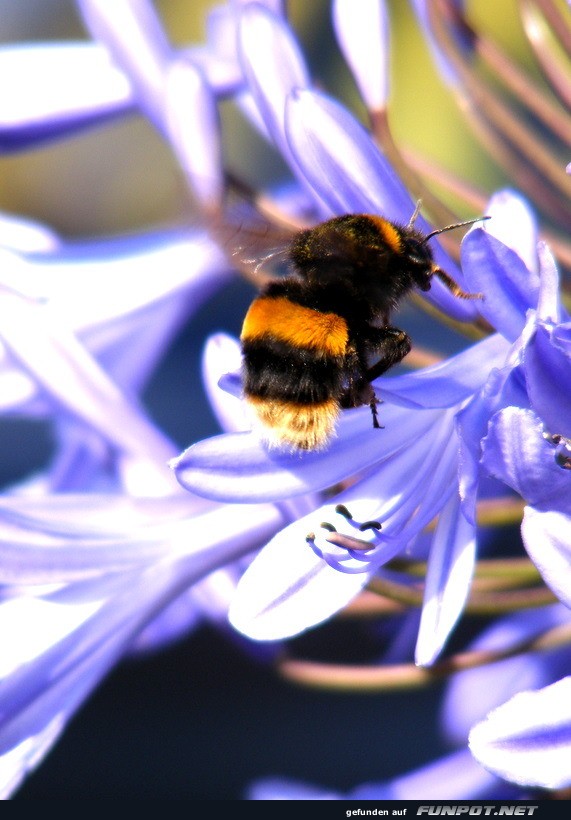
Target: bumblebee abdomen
<point>299,326</point>
<point>293,369</point>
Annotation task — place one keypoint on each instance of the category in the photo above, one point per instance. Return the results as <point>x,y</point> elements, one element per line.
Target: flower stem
<point>338,677</point>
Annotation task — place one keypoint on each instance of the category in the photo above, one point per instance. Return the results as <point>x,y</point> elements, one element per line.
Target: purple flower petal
<point>222,353</point>
<point>136,39</point>
<point>287,589</point>
<point>340,160</point>
<point>362,32</point>
<point>513,223</point>
<point>509,288</point>
<point>80,88</point>
<point>448,579</point>
<point>528,739</point>
<point>547,365</point>
<point>110,293</point>
<point>239,467</point>
<point>547,541</point>
<point>456,776</point>
<point>16,764</point>
<point>70,636</point>
<point>549,308</point>
<point>516,452</point>
<point>273,65</point>
<point>47,540</point>
<point>192,126</point>
<point>448,383</point>
<point>52,356</point>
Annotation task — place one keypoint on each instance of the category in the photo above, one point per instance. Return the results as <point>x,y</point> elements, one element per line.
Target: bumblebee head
<point>423,256</point>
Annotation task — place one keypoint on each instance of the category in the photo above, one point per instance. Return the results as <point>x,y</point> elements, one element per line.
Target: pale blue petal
<point>451,381</point>
<point>60,538</point>
<point>454,777</point>
<point>80,88</point>
<point>528,739</point>
<point>362,31</point>
<point>110,293</point>
<point>239,467</point>
<point>289,588</point>
<point>547,539</point>
<point>175,622</point>
<point>16,764</point>
<point>448,579</point>
<point>280,788</point>
<point>513,223</point>
<point>340,160</point>
<point>67,643</point>
<point>509,289</point>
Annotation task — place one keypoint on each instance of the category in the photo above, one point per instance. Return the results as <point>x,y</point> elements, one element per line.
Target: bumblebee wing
<point>251,244</point>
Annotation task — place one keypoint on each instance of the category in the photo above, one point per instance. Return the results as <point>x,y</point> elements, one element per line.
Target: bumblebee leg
<point>391,345</point>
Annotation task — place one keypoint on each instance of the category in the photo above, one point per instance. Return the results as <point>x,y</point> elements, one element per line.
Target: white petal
<point>528,739</point>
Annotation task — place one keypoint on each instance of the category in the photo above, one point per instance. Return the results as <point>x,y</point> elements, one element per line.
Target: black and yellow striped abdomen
<point>293,369</point>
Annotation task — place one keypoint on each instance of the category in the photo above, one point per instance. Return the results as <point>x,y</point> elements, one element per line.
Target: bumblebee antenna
<point>452,227</point>
<point>415,213</point>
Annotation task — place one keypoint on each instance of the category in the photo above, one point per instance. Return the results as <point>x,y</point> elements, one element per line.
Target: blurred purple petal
<point>53,357</point>
<point>80,88</point>
<point>471,694</point>
<point>448,579</point>
<point>192,125</point>
<point>549,308</point>
<point>273,66</point>
<point>454,777</point>
<point>445,66</point>
<point>528,739</point>
<point>546,539</point>
<point>25,235</point>
<point>362,31</point>
<point>134,35</point>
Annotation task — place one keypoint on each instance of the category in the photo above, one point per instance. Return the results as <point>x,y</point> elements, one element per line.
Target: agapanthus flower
<point>445,426</point>
<point>109,555</point>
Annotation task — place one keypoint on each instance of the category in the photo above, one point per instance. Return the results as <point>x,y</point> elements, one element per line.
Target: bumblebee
<point>314,340</point>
